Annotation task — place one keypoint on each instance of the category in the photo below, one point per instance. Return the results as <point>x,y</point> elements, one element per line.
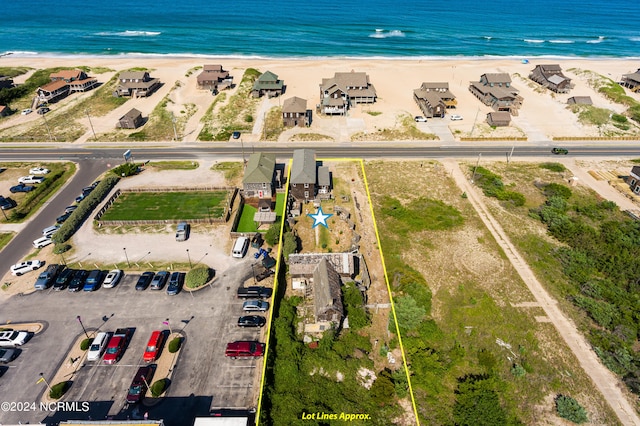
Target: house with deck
<point>434,99</point>
<point>344,89</point>
<point>551,77</point>
<point>259,176</point>
<point>131,120</point>
<point>214,78</point>
<point>267,84</point>
<point>633,180</point>
<point>77,80</point>
<point>137,84</point>
<point>295,113</point>
<point>303,175</point>
<point>631,81</point>
<point>495,90</point>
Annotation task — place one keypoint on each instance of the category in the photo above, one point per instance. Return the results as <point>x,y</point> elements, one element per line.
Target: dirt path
<point>603,379</point>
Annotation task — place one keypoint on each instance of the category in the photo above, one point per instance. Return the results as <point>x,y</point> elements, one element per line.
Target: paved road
<point>20,245</point>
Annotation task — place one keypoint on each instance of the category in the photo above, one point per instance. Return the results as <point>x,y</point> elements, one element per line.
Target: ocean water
<point>324,28</point>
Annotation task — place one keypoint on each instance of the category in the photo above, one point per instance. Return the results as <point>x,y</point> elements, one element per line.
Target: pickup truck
<point>254,292</point>
<point>117,345</point>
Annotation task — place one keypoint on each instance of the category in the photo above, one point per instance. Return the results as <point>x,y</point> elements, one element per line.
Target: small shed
<point>499,118</point>
<point>580,100</point>
<point>131,120</point>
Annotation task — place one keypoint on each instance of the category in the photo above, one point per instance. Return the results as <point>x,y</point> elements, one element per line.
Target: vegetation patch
<point>246,222</point>
<point>310,137</point>
<point>207,119</point>
<point>231,170</point>
<point>164,124</point>
<point>568,408</point>
<point>174,165</point>
<point>405,129</point>
<point>492,186</point>
<point>158,388</point>
<point>5,237</point>
<point>273,124</point>
<point>197,277</point>
<point>168,205</point>
<point>84,345</point>
<point>554,167</point>
<point>59,389</point>
<point>418,215</point>
<point>174,345</point>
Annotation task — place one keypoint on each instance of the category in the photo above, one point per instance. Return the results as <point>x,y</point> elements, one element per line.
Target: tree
<point>408,313</point>
<point>273,234</point>
<point>568,408</point>
<point>477,402</point>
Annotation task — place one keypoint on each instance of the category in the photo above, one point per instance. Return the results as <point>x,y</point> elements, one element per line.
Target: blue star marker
<point>320,218</point>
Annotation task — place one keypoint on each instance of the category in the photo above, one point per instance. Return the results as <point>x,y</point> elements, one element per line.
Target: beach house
<point>551,77</point>
<point>137,84</point>
<point>214,78</point>
<point>498,118</point>
<point>344,89</point>
<point>631,81</point>
<point>267,84</point>
<point>495,90</point>
<point>303,175</point>
<point>433,99</point>
<point>634,179</point>
<point>259,176</point>
<point>131,120</point>
<point>324,183</point>
<point>295,112</point>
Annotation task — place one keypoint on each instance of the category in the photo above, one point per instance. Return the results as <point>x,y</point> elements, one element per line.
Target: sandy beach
<point>543,116</point>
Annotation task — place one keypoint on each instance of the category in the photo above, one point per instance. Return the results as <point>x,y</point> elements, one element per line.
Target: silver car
<point>7,355</point>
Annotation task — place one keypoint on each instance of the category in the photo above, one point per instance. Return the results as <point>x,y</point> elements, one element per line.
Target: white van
<point>240,247</point>
<point>98,346</point>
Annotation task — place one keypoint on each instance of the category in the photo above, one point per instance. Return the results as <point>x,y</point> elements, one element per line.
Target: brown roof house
<point>259,176</point>
<point>303,175</point>
<point>580,100</point>
<point>337,94</point>
<point>634,179</point>
<point>131,120</point>
<point>328,311</point>
<point>137,84</point>
<point>214,78</point>
<point>631,81</point>
<point>499,118</point>
<point>551,77</point>
<point>434,98</point>
<point>495,90</point>
<point>65,82</point>
<point>267,84</point>
<point>53,92</point>
<point>295,112</point>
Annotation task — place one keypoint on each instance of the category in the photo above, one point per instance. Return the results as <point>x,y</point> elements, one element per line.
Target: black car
<point>175,283</point>
<point>43,110</point>
<point>159,280</point>
<point>235,135</point>
<point>64,278</point>
<point>21,188</point>
<point>144,281</point>
<point>77,282</point>
<point>47,277</point>
<point>87,190</point>
<point>251,321</point>
<point>61,219</point>
<point>80,198</point>
<point>560,151</point>
<point>7,203</point>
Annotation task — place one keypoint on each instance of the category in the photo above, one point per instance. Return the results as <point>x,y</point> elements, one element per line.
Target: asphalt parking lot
<point>203,378</point>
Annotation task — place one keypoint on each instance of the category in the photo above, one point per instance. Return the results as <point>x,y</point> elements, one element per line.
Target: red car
<point>241,349</point>
<point>152,352</point>
<point>116,346</point>
<point>140,384</point>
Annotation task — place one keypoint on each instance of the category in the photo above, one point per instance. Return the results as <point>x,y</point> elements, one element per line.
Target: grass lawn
<point>5,237</point>
<point>174,165</point>
<point>167,205</point>
<point>246,223</point>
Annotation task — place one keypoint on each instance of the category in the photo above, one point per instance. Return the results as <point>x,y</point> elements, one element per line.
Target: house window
<point>306,185</point>
<point>293,184</point>
<point>637,189</point>
<point>264,185</point>
<point>306,194</point>
<point>633,182</point>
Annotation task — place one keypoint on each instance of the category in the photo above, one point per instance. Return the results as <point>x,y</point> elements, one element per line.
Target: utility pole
<point>473,178</point>
<point>48,129</point>
<point>90,124</point>
<point>175,132</point>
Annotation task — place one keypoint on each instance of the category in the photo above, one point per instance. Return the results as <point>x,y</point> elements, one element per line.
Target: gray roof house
<point>631,81</point>
<point>499,118</point>
<point>136,84</point>
<point>495,90</point>
<point>324,183</point>
<point>267,84</point>
<point>295,112</point>
<point>328,310</point>
<point>303,175</point>
<point>213,77</point>
<point>551,77</point>
<point>131,120</point>
<point>337,94</point>
<point>259,176</point>
<point>434,98</point>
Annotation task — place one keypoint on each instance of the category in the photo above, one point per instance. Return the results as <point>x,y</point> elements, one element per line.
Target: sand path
<point>603,379</point>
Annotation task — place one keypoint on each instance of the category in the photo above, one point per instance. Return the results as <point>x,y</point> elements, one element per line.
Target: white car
<point>98,345</point>
<point>112,278</point>
<point>28,266</point>
<point>455,117</point>
<point>38,171</point>
<point>30,179</point>
<point>48,232</point>
<point>10,338</point>
<point>420,119</point>
<point>26,111</point>
<point>42,242</point>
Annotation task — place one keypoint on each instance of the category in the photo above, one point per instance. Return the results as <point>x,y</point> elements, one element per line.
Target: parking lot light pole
<point>81,324</point>
<point>189,257</point>
<point>166,322</point>
<point>42,379</point>
<point>126,257</point>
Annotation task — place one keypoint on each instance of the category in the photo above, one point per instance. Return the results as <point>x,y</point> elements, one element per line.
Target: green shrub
<point>568,408</point>
<point>557,190</point>
<point>619,118</point>
<point>86,206</point>
<point>84,345</point>
<point>58,390</point>
<point>197,277</point>
<point>354,307</point>
<point>126,169</point>
<point>290,244</point>
<point>158,388</point>
<point>272,235</point>
<point>554,167</point>
<point>61,248</point>
<point>518,371</point>
<point>175,344</point>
